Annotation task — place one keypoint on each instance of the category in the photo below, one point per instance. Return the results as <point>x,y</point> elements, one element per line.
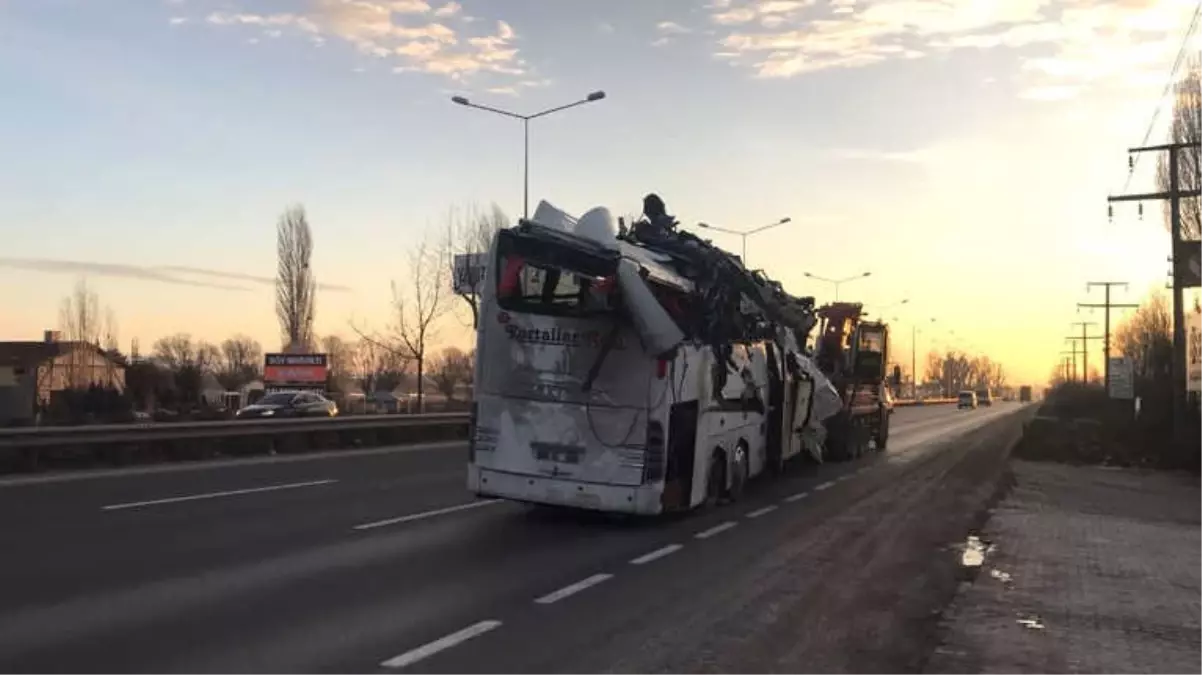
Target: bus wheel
<point>715,483</point>
<point>740,470</point>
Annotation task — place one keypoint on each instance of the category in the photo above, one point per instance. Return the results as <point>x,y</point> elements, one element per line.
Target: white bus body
<point>637,434</point>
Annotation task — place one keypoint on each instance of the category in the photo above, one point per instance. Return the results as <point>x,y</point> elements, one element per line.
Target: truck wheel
<point>882,433</point>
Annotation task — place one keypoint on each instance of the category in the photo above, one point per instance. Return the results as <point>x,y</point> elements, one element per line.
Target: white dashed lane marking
<point>717,529</point>
<point>575,588</point>
<point>797,497</point>
<point>759,512</point>
<point>824,486</point>
<point>430,649</point>
<point>656,554</point>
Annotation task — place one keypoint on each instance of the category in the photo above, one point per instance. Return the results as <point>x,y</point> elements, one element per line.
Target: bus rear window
<point>531,287</point>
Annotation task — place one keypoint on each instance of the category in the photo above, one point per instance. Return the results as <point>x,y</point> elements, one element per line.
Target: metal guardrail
<point>149,431</point>
<point>906,402</point>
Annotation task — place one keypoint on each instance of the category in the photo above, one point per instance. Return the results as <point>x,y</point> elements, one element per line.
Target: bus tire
<point>882,431</point>
<point>740,470</point>
<point>715,479</point>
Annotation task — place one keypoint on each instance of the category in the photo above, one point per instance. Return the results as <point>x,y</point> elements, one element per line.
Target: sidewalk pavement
<point>1085,569</point>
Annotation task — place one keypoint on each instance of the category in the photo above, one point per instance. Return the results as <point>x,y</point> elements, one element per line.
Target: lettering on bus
<point>559,336</point>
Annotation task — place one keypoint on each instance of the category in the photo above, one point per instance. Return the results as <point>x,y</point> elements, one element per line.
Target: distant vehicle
<point>1024,394</point>
<point>967,399</point>
<point>289,404</point>
<point>984,398</point>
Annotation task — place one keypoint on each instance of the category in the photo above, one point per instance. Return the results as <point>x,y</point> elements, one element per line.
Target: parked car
<point>967,399</point>
<point>289,404</point>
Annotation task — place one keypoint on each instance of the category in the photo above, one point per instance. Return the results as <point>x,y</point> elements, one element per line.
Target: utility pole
<point>1174,195</point>
<point>1074,351</point>
<point>1107,306</point>
<point>1070,371</point>
<point>1084,338</point>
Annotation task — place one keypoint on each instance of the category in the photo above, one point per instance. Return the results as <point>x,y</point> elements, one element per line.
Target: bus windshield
<point>535,287</point>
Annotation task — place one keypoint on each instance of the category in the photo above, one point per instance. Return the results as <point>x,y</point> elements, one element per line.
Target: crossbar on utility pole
<point>1173,195</point>
<point>1107,306</point>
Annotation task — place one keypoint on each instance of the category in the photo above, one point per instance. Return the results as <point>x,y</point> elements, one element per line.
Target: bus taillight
<point>661,368</point>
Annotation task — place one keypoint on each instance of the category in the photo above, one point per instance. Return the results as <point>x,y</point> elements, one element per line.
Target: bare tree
<point>241,361</point>
<point>470,232</point>
<point>378,367</point>
<point>295,286</point>
<point>1186,128</point>
<point>954,371</point>
<point>418,306</point>
<point>81,322</point>
<point>188,361</point>
<point>450,369</point>
<point>340,357</point>
<point>1145,338</point>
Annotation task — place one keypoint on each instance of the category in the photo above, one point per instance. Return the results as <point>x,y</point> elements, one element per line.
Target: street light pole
<point>837,282</point>
<point>463,101</point>
<point>746,234</point>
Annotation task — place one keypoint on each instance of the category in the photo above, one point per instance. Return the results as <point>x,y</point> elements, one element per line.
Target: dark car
<point>984,397</point>
<point>289,404</point>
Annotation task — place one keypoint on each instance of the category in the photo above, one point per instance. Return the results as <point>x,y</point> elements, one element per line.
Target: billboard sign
<point>295,370</point>
<point>1193,351</point>
<point>468,272</point>
<point>1122,378</point>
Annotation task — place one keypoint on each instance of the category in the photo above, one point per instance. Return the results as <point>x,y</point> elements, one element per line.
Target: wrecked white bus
<point>592,391</point>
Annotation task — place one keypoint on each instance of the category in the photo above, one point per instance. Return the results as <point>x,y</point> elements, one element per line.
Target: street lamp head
<point>808,274</point>
<point>785,220</point>
<point>461,100</point>
<point>595,96</point>
<point>867,274</point>
<point>904,301</point>
<point>705,225</point>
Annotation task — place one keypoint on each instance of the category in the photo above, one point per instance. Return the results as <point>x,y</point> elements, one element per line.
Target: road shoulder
<point>1089,569</point>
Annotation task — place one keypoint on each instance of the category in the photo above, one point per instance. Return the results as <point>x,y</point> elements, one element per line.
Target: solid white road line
<point>717,529</point>
<point>759,512</point>
<point>72,475</point>
<point>656,554</point>
<point>573,589</point>
<point>214,495</point>
<point>430,649</point>
<point>828,484</point>
<point>797,497</point>
<point>426,514</point>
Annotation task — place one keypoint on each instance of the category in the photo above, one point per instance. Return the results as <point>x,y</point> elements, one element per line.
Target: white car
<point>967,399</point>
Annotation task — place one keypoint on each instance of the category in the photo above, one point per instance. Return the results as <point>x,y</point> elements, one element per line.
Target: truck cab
<point>854,353</point>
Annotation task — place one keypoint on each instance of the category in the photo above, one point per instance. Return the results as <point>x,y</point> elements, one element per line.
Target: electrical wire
<point>1168,87</point>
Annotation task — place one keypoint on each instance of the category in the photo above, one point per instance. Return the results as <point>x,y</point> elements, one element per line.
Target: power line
<point>1168,87</point>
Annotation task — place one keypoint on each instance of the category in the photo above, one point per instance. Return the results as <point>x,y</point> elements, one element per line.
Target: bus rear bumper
<point>641,499</point>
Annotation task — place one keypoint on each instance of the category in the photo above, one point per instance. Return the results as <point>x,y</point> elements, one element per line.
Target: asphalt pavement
<point>379,560</point>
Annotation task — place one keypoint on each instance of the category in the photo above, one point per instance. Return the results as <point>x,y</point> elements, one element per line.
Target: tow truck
<point>853,352</point>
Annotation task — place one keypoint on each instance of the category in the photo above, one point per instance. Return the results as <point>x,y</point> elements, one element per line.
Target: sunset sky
<point>960,150</point>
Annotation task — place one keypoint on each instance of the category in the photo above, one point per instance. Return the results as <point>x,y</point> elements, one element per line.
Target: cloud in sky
<point>411,33</point>
<point>174,274</point>
<point>109,270</point>
<point>1079,42</point>
<point>267,281</point>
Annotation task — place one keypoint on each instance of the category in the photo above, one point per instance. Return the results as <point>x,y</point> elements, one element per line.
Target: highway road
<point>379,560</point>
